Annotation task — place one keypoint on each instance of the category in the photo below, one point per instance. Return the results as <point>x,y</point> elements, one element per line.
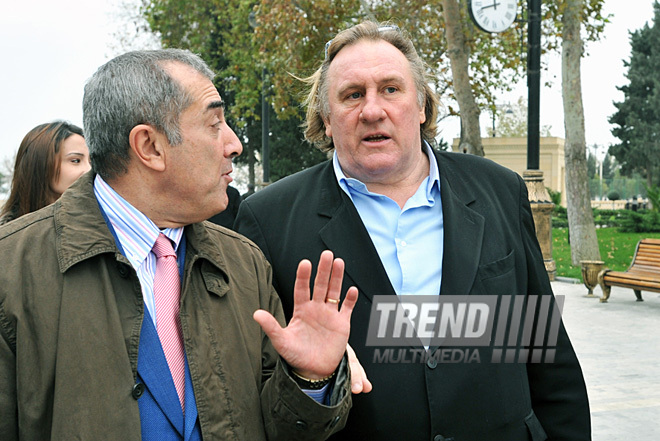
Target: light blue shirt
<point>409,241</point>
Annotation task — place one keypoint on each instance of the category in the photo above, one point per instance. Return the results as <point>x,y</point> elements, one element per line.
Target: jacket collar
<point>81,231</point>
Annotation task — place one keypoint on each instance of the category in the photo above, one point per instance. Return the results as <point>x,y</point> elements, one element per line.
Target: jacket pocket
<point>535,428</point>
<point>498,267</point>
<point>498,277</point>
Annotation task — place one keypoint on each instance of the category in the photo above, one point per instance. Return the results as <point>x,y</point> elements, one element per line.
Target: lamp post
<point>508,111</point>
<point>539,198</point>
<point>533,83</point>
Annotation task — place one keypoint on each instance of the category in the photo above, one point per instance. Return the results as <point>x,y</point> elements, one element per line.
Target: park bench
<point>643,273</point>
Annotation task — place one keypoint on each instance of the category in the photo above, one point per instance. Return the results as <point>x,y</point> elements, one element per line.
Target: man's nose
<point>372,109</point>
<point>233,147</point>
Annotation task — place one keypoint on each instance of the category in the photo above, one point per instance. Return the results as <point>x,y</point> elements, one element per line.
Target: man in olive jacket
<point>79,355</point>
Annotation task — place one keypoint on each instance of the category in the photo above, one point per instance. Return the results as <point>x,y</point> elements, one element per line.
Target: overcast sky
<point>50,48</point>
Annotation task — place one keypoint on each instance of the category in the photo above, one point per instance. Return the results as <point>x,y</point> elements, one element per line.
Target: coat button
<point>432,363</point>
<point>138,390</point>
<point>123,272</point>
<point>301,425</point>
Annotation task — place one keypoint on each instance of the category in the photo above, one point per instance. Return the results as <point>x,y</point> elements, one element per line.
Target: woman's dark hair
<point>37,165</point>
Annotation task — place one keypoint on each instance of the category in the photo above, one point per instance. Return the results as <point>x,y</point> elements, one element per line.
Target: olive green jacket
<point>71,311</point>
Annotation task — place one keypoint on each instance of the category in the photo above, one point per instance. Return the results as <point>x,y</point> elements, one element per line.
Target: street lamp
<point>508,111</point>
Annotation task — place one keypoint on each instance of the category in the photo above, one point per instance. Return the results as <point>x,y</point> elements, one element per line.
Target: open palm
<point>315,339</point>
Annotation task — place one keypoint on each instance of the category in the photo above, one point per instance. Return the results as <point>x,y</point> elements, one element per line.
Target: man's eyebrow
<point>215,105</point>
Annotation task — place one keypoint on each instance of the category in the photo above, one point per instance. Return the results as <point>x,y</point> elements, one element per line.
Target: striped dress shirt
<point>137,235</point>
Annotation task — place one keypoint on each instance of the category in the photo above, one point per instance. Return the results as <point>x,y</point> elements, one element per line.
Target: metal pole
<point>493,122</point>
<point>533,83</point>
<point>265,128</point>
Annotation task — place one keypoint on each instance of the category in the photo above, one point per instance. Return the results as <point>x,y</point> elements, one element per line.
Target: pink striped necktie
<point>167,292</point>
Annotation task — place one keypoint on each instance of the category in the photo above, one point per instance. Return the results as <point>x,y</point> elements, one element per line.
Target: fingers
<point>349,301</point>
<point>334,287</point>
<point>269,324</point>
<point>323,276</point>
<point>359,381</point>
<point>327,284</point>
<point>301,287</point>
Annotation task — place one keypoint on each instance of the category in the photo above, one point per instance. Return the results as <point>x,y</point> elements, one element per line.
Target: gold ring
<point>333,301</point>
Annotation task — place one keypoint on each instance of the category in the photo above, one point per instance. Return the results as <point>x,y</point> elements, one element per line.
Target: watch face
<point>493,15</point>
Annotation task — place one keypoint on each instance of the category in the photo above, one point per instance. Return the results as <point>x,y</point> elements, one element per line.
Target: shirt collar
<point>357,185</point>
<point>136,232</point>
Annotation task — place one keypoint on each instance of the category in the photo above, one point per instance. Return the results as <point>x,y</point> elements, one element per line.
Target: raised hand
<point>315,340</point>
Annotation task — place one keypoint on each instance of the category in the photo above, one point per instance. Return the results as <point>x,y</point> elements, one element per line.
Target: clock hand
<point>494,5</point>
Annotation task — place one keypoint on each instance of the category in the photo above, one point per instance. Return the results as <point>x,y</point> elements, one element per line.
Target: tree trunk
<point>582,231</point>
<point>458,53</point>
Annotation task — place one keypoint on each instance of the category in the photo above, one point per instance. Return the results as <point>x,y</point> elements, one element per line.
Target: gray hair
<point>132,89</point>
<point>317,102</point>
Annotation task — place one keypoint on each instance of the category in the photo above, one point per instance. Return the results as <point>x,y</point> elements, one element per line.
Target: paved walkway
<point>618,344</point>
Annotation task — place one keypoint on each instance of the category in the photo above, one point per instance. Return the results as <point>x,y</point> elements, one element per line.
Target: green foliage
<point>653,193</point>
<point>616,249</point>
<point>290,153</point>
<point>555,196</point>
<point>637,119</point>
<point>640,222</point>
<point>602,218</point>
<point>613,195</point>
<point>559,217</point>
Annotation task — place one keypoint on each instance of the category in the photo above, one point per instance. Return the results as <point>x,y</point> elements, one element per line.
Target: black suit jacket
<point>490,248</point>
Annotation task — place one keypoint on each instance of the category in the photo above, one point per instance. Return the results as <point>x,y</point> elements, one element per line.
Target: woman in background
<point>50,158</point>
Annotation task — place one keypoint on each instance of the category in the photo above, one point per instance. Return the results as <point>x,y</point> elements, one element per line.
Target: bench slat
<point>647,256</point>
<point>631,279</point>
<point>639,286</point>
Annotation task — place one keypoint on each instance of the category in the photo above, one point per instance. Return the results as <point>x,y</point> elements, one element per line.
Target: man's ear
<point>148,145</point>
<point>328,129</point>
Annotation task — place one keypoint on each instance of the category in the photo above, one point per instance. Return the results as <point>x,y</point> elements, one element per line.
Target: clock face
<point>493,15</point>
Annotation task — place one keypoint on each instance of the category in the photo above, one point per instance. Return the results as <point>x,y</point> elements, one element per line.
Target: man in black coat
<point>410,221</point>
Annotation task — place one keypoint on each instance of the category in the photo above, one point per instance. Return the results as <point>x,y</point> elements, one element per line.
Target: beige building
<point>512,153</point>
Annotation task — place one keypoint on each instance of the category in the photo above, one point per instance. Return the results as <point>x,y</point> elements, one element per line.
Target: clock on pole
<point>493,15</point>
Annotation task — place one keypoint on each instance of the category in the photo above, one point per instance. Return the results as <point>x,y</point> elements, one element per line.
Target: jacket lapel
<point>346,235</point>
<point>463,233</point>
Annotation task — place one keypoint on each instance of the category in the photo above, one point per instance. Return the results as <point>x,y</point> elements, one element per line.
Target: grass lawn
<point>616,249</point>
